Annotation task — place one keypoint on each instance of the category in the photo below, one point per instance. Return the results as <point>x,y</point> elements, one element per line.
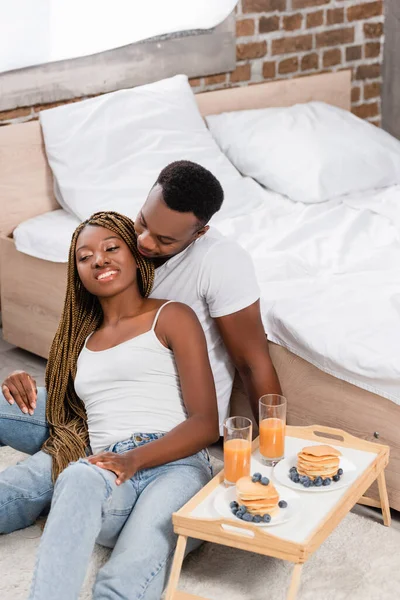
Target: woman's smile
<point>107,275</point>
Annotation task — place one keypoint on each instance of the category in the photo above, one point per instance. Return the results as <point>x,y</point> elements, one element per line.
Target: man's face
<point>163,232</point>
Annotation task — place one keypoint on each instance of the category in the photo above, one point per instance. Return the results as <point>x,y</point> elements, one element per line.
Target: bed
<point>32,288</point>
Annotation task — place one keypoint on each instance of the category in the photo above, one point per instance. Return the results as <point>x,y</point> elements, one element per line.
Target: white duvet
<point>329,275</point>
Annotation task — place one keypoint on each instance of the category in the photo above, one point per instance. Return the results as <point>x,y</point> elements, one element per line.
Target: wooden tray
<point>323,512</point>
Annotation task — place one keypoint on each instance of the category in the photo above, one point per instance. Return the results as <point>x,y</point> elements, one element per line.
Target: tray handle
<point>321,433</point>
<point>216,526</point>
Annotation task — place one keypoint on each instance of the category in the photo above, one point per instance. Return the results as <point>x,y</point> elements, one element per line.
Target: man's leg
<point>21,431</point>
<point>26,490</point>
<point>140,562</point>
<point>86,502</point>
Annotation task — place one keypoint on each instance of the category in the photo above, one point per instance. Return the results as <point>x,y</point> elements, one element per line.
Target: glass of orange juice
<point>237,448</point>
<point>272,428</point>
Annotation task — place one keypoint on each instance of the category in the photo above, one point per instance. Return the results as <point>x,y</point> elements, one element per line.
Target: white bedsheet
<point>329,275</point>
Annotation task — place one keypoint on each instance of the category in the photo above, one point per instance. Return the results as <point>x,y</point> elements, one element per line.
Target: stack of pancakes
<point>257,498</point>
<point>315,461</point>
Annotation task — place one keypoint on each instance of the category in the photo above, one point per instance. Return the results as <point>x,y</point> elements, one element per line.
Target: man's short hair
<point>189,187</point>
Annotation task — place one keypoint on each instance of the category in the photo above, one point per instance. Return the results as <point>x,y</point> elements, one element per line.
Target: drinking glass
<point>237,448</point>
<point>272,427</point>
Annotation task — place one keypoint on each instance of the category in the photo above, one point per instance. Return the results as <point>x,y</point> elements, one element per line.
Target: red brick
<point>289,65</point>
<point>355,94</point>
<point>287,45</point>
<point>368,71</point>
<point>335,16</point>
<point>195,82</point>
<point>315,19</point>
<point>373,30</point>
<point>353,53</point>
<point>251,50</point>
<point>241,73</point>
<point>292,22</point>
<point>372,49</point>
<point>269,70</point>
<point>307,3</point>
<point>309,61</point>
<point>364,111</point>
<point>268,24</point>
<point>335,37</point>
<point>364,11</point>
<point>215,79</point>
<point>372,90</point>
<point>332,57</point>
<point>249,6</point>
<point>245,27</point>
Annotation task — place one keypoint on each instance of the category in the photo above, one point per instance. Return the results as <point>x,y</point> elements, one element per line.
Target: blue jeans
<point>134,519</point>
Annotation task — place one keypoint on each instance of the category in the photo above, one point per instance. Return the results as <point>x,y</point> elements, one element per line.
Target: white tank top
<point>131,387</point>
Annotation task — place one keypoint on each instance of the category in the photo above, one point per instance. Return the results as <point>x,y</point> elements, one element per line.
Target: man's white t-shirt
<point>214,276</point>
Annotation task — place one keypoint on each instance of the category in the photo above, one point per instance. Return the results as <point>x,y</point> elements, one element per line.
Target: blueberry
<point>257,519</point>
<point>247,517</point>
<point>239,514</point>
<point>256,477</point>
<point>336,478</point>
<point>234,510</point>
<point>303,478</point>
<point>242,508</point>
<point>234,504</point>
<point>267,518</point>
<point>318,481</point>
<point>340,472</point>
<point>296,478</point>
<point>293,470</point>
<point>327,481</point>
<point>307,484</point>
<point>264,480</point>
<point>282,504</point>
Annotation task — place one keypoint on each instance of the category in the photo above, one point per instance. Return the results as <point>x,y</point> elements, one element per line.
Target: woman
<point>129,378</point>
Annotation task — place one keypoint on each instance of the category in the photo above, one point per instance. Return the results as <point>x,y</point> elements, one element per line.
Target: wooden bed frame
<point>32,290</point>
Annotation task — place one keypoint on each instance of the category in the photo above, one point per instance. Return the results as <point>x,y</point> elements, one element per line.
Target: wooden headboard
<point>26,187</point>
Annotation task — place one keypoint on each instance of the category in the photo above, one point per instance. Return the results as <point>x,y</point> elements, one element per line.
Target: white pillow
<point>310,152</point>
<point>107,152</point>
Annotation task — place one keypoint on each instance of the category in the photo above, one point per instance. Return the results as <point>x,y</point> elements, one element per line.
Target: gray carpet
<point>360,561</point>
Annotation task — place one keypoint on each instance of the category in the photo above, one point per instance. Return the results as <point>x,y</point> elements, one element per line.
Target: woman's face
<point>105,264</point>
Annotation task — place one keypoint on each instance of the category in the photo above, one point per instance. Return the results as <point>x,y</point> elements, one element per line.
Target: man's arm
<point>244,338</point>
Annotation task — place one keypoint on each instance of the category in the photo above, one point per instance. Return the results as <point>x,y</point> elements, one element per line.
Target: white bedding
<point>329,275</point>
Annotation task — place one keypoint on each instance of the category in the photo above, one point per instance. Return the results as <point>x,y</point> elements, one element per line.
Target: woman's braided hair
<point>82,314</point>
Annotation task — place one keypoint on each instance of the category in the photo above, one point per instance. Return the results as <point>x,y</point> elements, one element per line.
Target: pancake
<point>315,461</point>
<point>257,498</point>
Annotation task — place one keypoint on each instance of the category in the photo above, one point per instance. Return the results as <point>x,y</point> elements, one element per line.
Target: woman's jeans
<point>134,518</point>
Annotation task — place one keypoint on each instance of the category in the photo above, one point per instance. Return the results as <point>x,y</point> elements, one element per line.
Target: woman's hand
<point>123,465</point>
<point>20,387</point>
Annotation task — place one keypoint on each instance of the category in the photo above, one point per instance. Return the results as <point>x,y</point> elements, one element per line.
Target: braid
<point>82,314</point>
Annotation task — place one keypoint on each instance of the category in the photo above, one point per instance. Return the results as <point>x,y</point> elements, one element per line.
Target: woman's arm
<point>180,330</point>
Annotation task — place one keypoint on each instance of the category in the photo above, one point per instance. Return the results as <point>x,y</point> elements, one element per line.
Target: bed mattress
<point>329,277</point>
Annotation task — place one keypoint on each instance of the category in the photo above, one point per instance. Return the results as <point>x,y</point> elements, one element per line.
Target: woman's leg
<point>25,492</point>
<point>85,498</point>
<point>22,432</point>
<point>139,564</point>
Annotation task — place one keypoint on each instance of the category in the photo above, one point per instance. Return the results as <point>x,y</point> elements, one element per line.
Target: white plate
<point>281,475</point>
<point>225,496</point>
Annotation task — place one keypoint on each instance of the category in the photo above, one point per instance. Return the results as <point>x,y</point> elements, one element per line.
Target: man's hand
<point>20,387</point>
<point>123,465</point>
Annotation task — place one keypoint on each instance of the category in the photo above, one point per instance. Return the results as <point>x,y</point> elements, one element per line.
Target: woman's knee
<point>84,478</point>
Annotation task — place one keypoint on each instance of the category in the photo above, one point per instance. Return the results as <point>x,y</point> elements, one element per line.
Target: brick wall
<point>278,39</point>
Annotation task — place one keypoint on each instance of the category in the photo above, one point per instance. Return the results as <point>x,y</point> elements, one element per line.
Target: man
<point>196,266</point>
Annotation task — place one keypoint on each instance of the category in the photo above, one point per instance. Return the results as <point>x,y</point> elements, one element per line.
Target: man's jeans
<point>133,518</point>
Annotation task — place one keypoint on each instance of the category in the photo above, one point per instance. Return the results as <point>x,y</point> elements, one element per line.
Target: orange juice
<point>237,456</point>
<point>272,438</point>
